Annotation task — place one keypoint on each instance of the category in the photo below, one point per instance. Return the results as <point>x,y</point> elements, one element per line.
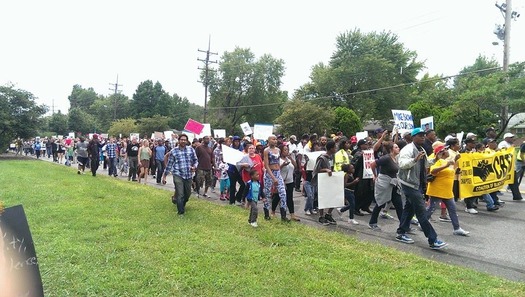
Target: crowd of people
<point>414,172</point>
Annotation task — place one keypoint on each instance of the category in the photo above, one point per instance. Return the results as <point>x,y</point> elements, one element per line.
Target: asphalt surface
<point>495,244</point>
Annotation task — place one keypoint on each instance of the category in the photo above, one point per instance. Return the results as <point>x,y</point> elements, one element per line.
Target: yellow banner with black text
<point>483,173</point>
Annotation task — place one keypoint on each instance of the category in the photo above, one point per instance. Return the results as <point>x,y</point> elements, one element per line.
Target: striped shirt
<point>180,162</point>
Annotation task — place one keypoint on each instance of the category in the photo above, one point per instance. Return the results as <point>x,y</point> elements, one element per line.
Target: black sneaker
<point>330,219</point>
<point>323,221</point>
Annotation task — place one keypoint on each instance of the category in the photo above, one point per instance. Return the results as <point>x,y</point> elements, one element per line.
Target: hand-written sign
<point>403,119</point>
<point>19,271</point>
<point>368,159</point>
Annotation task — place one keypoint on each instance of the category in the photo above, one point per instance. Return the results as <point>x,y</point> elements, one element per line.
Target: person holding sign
<point>412,176</point>
<point>273,181</point>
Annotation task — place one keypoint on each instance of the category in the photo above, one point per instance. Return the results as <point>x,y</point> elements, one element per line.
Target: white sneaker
<point>386,216</point>
<point>308,213</point>
<point>461,232</point>
<point>254,224</point>
<point>471,210</point>
<point>352,221</point>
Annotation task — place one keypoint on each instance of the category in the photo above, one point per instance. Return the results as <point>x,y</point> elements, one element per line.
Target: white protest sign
<point>403,120</point>
<point>312,157</point>
<point>167,134</point>
<point>72,134</point>
<point>246,129</point>
<point>459,136</point>
<point>219,133</point>
<point>104,135</point>
<point>368,159</point>
<point>261,131</point>
<point>60,137</point>
<point>134,135</point>
<point>206,131</point>
<point>427,123</point>
<point>361,135</point>
<point>331,191</point>
<point>230,155</point>
<point>90,135</point>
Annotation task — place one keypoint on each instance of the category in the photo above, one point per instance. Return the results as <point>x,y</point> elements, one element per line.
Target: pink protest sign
<point>194,126</point>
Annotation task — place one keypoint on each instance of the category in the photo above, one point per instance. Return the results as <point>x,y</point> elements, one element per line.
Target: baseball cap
<point>438,149</point>
<point>508,135</point>
<point>353,139</point>
<point>361,142</point>
<point>470,135</point>
<point>416,131</point>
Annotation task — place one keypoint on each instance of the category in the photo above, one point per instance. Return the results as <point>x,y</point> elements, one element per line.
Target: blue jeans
<point>350,197</point>
<point>415,204</point>
<point>309,189</point>
<point>112,166</point>
<point>451,207</point>
<point>160,169</point>
<point>182,192</point>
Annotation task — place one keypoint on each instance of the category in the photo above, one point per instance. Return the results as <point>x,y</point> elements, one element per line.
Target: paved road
<point>495,245</point>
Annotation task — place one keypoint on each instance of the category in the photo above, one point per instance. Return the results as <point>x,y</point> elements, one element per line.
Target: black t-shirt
<point>387,166</point>
<point>133,150</point>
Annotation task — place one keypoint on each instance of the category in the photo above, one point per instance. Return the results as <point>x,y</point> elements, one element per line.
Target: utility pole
<point>116,91</point>
<point>508,14</point>
<point>207,69</point>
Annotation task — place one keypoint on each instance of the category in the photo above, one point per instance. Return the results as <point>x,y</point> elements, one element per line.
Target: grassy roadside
<point>105,237</point>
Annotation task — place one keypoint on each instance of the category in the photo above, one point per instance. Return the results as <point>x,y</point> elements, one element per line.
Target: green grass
<point>105,237</point>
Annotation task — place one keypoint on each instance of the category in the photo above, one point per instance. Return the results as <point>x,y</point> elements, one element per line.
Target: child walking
<point>224,181</point>
<point>252,193</point>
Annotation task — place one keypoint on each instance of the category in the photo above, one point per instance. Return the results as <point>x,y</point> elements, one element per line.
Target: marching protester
<point>159,152</point>
<point>206,165</point>
<point>94,154</point>
<point>252,194</point>
<point>350,184</point>
<point>133,159</point>
<point>323,164</point>
<point>273,181</point>
<point>111,151</point>
<point>235,175</point>
<point>82,155</point>
<point>182,163</point>
<point>144,154</point>
<point>440,188</point>
<point>413,166</point>
<point>385,183</point>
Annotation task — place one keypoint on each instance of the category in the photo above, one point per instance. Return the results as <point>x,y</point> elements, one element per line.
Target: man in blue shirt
<point>159,152</point>
<point>182,163</point>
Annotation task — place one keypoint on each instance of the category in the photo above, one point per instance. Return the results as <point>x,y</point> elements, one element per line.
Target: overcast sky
<point>49,46</point>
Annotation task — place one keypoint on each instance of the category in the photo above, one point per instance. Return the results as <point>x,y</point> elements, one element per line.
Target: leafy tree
<point>124,127</point>
<point>19,114</point>
<point>58,123</point>
<point>245,89</point>
<point>301,117</point>
<point>146,126</point>
<point>150,99</point>
<point>82,98</point>
<point>361,64</point>
<point>346,121</point>
<point>80,121</point>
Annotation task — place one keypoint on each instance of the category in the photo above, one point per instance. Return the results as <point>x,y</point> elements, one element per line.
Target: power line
<point>116,91</point>
<point>366,91</point>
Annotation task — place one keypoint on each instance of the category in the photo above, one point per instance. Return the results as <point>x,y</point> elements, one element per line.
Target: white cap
<point>449,137</point>
<point>508,135</point>
<point>470,135</point>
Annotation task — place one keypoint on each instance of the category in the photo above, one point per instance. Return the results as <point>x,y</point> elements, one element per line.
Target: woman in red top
<point>252,161</point>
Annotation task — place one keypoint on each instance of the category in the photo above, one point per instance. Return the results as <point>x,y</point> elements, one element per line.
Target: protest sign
<point>403,120</point>
<point>71,134</point>
<point>361,135</point>
<point>427,123</point>
<point>312,157</point>
<point>134,135</point>
<point>483,173</point>
<point>246,129</point>
<point>19,270</point>
<point>219,133</point>
<point>193,126</point>
<point>261,131</point>
<point>331,189</point>
<point>230,155</point>
<point>206,131</point>
<point>158,135</point>
<point>368,159</point>
<point>167,134</point>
